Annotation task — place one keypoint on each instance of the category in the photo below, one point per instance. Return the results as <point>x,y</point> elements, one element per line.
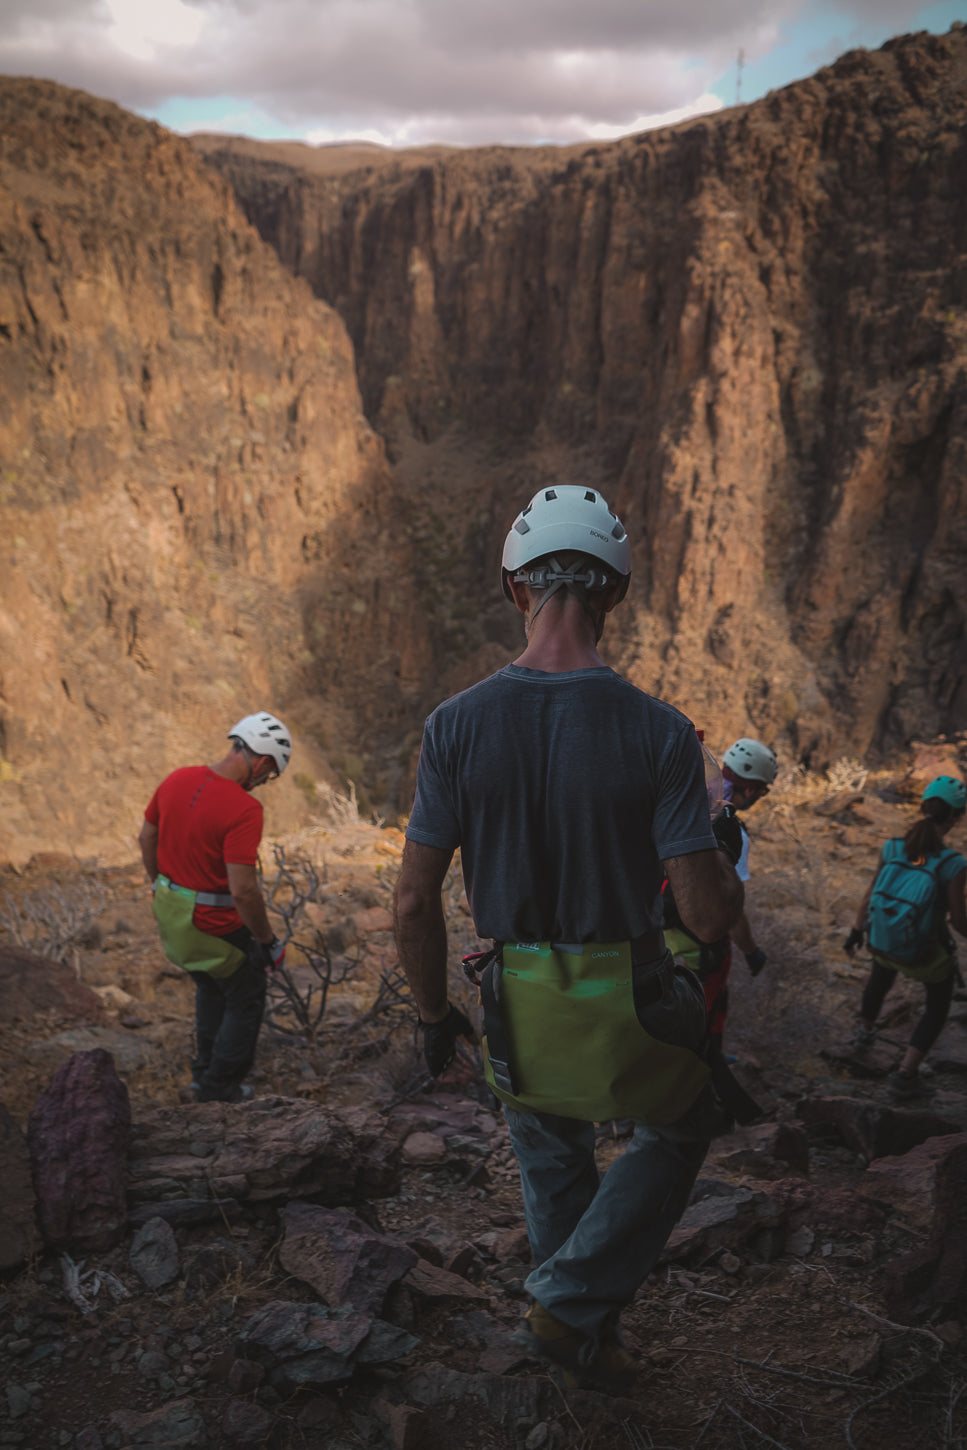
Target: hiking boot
<point>611,1368</point>
<point>864,1037</point>
<point>901,1085</point>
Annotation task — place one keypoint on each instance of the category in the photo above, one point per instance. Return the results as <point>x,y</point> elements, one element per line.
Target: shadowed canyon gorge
<point>262,431</point>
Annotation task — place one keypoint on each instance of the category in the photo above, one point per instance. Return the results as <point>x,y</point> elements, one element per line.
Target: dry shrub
<point>55,921</point>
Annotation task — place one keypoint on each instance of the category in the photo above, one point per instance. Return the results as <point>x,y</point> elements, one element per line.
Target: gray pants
<point>594,1239</point>
<point>228,1016</point>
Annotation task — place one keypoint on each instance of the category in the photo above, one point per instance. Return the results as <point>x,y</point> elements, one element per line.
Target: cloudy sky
<point>406,72</point>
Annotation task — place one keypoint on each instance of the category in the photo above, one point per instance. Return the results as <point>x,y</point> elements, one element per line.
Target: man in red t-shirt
<point>199,843</point>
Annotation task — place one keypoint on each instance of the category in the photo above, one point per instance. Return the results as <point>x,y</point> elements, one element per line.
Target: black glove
<point>439,1039</point>
<point>273,954</point>
<point>728,833</point>
<point>854,940</point>
<point>756,960</point>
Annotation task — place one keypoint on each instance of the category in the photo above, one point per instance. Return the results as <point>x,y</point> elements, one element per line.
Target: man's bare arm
<point>708,893</point>
<point>148,841</point>
<point>420,928</point>
<point>243,883</point>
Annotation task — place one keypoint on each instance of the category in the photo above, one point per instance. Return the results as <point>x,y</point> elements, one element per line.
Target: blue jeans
<point>594,1239</point>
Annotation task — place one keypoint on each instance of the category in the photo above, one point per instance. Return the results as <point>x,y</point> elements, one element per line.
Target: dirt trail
<point>737,1348</point>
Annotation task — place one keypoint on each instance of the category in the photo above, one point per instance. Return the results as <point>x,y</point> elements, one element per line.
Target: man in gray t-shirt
<point>601,782</point>
<point>570,794</point>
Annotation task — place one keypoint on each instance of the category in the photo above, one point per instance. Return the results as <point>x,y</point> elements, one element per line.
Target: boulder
<point>32,985</point>
<point>310,1344</point>
<point>721,1216</point>
<point>766,1150</point>
<point>929,760</point>
<point>341,1257</point>
<point>78,1134</point>
<point>264,1150</point>
<point>18,1222</point>
<point>934,1276</point>
<point>429,1282</point>
<point>949,1052</point>
<point>871,1129</point>
<point>908,1183</point>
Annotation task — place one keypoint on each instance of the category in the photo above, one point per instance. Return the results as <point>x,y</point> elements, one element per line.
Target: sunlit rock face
<point>186,482</point>
<point>748,330</point>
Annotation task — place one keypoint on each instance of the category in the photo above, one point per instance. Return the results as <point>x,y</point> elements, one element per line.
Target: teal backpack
<point>903,912</point>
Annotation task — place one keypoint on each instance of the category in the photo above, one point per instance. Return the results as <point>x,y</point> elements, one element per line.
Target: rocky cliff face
<point>749,330</point>
<point>185,475</point>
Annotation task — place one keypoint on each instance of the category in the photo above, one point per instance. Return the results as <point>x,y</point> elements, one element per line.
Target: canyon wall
<point>219,491</point>
<point>187,479</point>
<point>749,330</point>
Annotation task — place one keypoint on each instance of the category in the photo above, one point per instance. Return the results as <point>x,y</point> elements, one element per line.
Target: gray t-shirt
<point>565,792</point>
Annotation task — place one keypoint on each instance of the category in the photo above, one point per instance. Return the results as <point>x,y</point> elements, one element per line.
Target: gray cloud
<point>495,69</point>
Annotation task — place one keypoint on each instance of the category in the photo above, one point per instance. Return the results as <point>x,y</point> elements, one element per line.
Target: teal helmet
<point>949,789</point>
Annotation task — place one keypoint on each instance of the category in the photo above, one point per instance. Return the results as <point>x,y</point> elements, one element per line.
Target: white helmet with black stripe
<point>751,760</point>
<point>565,519</point>
<point>264,734</point>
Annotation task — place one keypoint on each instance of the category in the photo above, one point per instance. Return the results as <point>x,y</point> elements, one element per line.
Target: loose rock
<point>154,1253</point>
<point>340,1257</point>
<point>246,1425</point>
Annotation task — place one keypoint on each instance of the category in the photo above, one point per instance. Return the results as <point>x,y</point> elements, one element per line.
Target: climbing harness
<point>585,1010</point>
<point>183,942</point>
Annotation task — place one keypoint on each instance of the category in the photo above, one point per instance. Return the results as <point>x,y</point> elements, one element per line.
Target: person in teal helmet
<point>917,890</point>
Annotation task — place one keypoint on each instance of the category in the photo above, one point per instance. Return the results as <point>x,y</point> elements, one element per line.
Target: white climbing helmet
<point>751,760</point>
<point>563,519</point>
<point>264,734</point>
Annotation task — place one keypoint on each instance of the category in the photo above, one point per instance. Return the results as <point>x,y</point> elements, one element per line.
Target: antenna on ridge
<point>740,62</point>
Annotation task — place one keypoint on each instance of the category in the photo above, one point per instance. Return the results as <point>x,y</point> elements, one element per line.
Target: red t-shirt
<point>204,822</point>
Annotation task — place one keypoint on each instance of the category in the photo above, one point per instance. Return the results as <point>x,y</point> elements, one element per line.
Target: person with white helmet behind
<point>749,769</point>
<point>199,843</point>
<point>571,794</point>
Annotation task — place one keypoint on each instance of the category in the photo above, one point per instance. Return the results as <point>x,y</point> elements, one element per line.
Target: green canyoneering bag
<point>183,943</point>
<point>684,947</point>
<point>589,1054</point>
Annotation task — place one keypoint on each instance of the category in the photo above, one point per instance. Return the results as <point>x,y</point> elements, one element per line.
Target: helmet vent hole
<point>590,497</point>
<point>521,527</point>
<point>549,495</point>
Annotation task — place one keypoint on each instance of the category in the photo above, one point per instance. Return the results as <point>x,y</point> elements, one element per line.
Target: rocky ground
<point>340,1262</point>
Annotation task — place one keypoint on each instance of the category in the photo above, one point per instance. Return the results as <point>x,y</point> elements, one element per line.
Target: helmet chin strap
<point>551,576</point>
